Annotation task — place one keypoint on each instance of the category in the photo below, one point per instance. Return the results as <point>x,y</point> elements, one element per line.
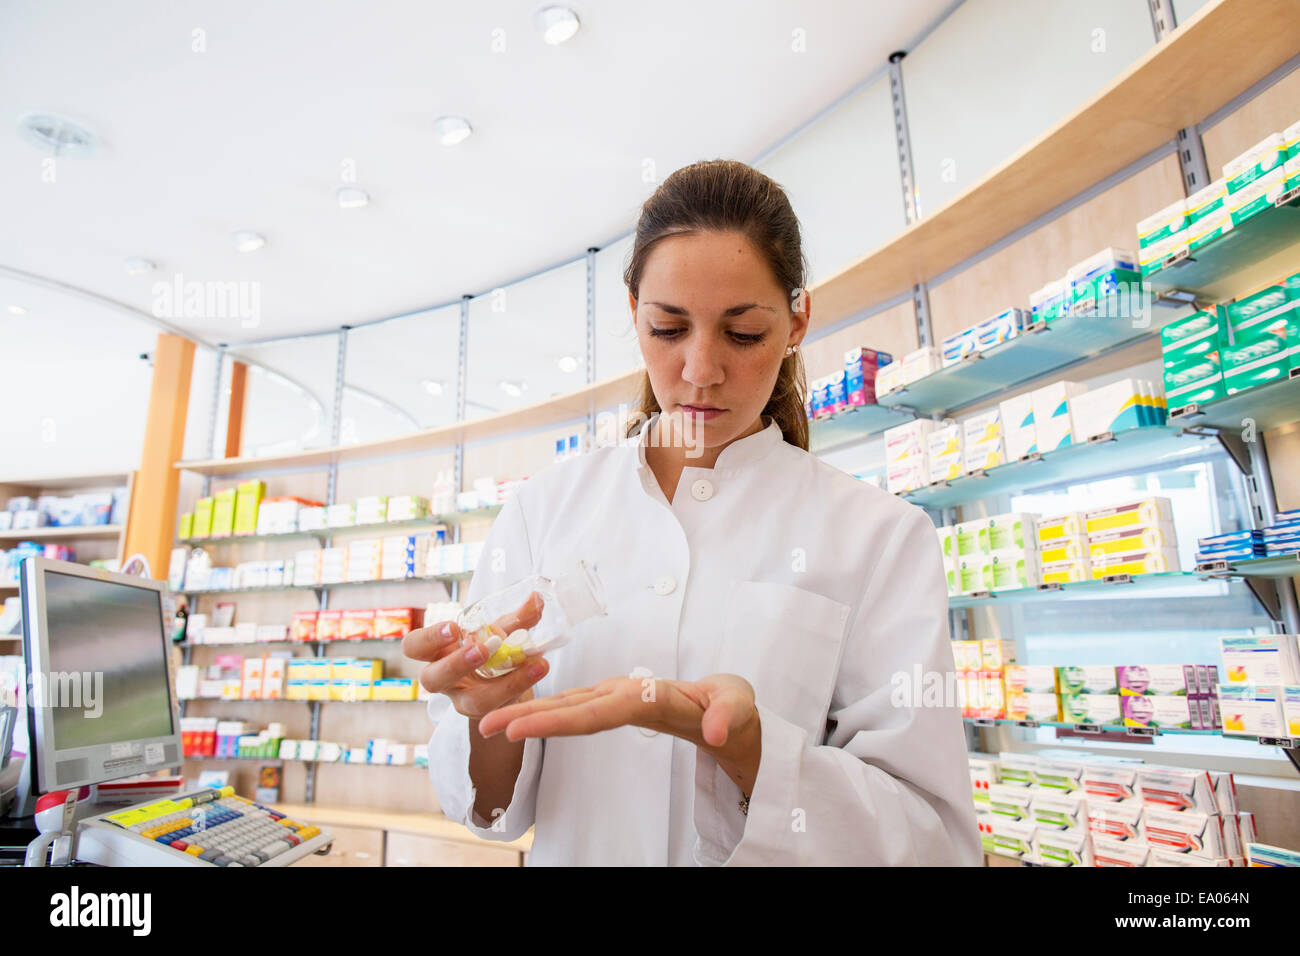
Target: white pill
<point>492,643</point>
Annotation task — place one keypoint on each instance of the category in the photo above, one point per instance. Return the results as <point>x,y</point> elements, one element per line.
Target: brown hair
<point>728,196</point>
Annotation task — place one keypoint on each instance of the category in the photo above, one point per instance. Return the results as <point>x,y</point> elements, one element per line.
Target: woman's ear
<point>631,304</point>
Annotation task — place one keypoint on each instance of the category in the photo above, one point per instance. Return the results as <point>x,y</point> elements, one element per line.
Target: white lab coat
<point>814,586</point>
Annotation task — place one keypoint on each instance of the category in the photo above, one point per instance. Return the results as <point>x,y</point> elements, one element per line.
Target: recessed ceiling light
<point>557,24</point>
<point>17,310</point>
<point>567,363</point>
<point>511,389</point>
<point>432,387</point>
<point>350,197</point>
<point>452,129</point>
<point>246,241</point>
<point>56,135</point>
<point>136,266</point>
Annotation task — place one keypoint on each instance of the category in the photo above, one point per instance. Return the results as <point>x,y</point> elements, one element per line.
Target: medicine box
<point>1050,302</point>
<point>1018,769</point>
<point>1259,195</point>
<point>1162,711</point>
<point>1019,437</point>
<point>1143,680</point>
<point>1059,811</point>
<point>1163,224</point>
<point>1259,358</point>
<point>996,654</point>
<point>1052,423</point>
<point>1132,514</point>
<point>1063,775</point>
<point>248,497</point>
<point>1011,802</point>
<point>1009,570</point>
<point>1170,788</point>
<point>1200,332</point>
<point>1213,226</point>
<point>1074,548</point>
<point>1154,561</point>
<point>999,328</point>
<point>1116,407</point>
<point>1061,526</point>
<point>1063,572</point>
<point>1085,679</point>
<point>909,440</point>
<point>982,440</point>
<point>1207,201</point>
<point>1197,380</point>
<point>1291,709</point>
<point>920,363</point>
<point>1040,707</point>
<point>889,378</point>
<point>1191,832</point>
<point>1264,157</point>
<point>1006,531</point>
<point>1100,276</point>
<point>223,513</point>
<point>1269,307</point>
<point>1115,819</point>
<point>1112,783</point>
<point>1030,678</point>
<point>202,526</point>
<point>1108,852</point>
<point>945,453</point>
<point>1090,709</point>
<point>957,347</point>
<point>1261,659</point>
<point>1261,854</point>
<point>861,366</point>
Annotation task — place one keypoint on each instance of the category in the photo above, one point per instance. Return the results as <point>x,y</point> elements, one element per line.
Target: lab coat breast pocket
<point>785,641</point>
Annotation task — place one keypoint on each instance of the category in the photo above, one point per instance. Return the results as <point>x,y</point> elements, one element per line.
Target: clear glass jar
<point>530,617</point>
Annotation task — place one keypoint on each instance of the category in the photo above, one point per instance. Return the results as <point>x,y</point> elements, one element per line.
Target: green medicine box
<point>1277,305</point>
<point>1190,336</point>
<point>1259,358</point>
<point>1255,163</point>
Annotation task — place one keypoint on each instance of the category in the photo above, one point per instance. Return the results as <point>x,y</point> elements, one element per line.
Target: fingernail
<point>536,670</point>
<point>476,655</point>
<point>445,631</point>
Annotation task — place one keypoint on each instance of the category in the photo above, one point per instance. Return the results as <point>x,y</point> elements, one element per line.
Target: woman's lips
<point>702,411</point>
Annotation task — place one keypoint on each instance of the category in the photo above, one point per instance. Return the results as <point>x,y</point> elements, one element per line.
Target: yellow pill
<point>507,655</point>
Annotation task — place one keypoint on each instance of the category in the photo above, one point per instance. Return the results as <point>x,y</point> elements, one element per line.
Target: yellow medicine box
<point>318,690</point>
<point>223,513</point>
<point>1130,540</point>
<point>1141,562</point>
<point>397,688</point>
<point>202,518</point>
<point>186,529</point>
<point>1063,572</point>
<point>364,669</point>
<point>1147,511</point>
<point>248,498</point>
<point>1063,549</point>
<point>1061,526</point>
<point>296,690</point>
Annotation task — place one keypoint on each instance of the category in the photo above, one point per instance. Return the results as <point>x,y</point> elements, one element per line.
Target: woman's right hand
<point>451,667</point>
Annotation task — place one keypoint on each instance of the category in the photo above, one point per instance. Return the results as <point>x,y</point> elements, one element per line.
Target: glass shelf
<point>1036,351</point>
<point>1257,238</point>
<point>1278,566</point>
<point>854,424</point>
<point>382,527</point>
<point>1148,447</point>
<point>1147,585</point>
<point>1090,728</point>
<point>326,763</point>
<point>1268,406</point>
<point>460,576</point>
<point>336,640</point>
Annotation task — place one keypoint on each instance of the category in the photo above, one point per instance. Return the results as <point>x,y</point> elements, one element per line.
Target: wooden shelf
<point>74,482</point>
<point>554,411</point>
<point>1223,49</point>
<point>55,534</point>
<point>1220,51</point>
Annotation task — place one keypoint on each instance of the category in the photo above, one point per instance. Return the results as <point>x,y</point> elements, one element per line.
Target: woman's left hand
<point>717,714</point>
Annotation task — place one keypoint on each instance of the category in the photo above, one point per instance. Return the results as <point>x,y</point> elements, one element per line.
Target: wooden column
<point>151,526</point>
<point>235,409</point>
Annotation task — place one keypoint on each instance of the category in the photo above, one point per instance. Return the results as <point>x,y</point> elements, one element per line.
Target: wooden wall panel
<point>1271,112</point>
<point>1005,279</point>
<point>892,331</point>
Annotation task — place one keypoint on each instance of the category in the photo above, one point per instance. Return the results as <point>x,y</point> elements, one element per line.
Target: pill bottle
<point>530,617</point>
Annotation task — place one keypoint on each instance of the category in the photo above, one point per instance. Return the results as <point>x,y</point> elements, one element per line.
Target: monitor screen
<point>106,639</point>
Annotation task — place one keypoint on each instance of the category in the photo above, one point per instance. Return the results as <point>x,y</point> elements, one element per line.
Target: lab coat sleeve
<point>506,557</point>
<point>889,785</point>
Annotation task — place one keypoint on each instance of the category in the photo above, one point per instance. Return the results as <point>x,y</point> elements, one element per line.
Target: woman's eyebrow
<point>733,311</point>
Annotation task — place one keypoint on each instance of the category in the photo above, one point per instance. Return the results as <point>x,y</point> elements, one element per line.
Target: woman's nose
<point>703,366</point>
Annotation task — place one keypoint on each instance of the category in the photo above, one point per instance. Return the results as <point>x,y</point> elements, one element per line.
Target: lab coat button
<point>665,585</point>
<point>702,490</point>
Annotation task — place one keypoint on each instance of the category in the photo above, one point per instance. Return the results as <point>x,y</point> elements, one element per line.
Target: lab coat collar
<point>741,452</point>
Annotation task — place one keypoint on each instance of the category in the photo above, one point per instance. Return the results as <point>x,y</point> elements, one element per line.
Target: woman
<point>760,601</point>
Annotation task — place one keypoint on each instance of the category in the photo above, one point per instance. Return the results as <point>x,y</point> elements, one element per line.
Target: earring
<point>792,349</point>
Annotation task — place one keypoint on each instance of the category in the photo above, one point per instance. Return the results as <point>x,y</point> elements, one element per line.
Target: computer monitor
<point>100,702</point>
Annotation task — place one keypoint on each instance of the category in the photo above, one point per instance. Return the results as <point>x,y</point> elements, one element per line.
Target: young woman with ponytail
<point>739,703</point>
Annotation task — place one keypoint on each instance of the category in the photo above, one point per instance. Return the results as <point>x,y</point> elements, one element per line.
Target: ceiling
<point>288,100</point>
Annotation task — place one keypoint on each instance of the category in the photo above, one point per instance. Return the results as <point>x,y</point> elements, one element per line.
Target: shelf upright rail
<point>907,178</point>
<point>331,495</point>
<point>1191,152</point>
<point>591,340</point>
